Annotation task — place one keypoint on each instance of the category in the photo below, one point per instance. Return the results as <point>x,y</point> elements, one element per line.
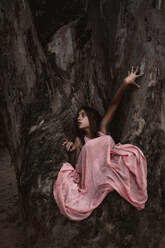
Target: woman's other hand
<point>132,75</point>
<point>70,146</point>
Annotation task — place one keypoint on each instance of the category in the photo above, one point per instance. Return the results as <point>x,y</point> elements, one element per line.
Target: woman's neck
<point>88,133</point>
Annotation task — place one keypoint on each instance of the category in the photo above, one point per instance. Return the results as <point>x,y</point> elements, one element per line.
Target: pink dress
<point>102,167</point>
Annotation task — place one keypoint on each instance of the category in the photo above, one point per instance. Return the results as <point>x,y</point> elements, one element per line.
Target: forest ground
<point>11,227</point>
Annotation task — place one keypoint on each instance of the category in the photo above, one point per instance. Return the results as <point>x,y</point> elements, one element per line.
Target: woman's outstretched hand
<point>70,146</point>
<point>132,75</point>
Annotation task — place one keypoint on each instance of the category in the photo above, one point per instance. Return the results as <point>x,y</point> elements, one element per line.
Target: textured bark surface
<point>41,90</point>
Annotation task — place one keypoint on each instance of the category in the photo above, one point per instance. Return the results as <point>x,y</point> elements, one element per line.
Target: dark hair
<point>94,120</point>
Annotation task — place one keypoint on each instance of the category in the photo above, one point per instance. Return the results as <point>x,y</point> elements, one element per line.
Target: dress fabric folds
<point>102,167</point>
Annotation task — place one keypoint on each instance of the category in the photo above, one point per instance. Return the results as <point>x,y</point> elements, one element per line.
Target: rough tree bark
<point>41,90</point>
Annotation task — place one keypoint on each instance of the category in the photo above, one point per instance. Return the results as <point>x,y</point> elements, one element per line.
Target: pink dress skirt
<point>102,167</point>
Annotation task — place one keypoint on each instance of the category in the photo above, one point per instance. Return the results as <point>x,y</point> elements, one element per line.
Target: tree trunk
<point>42,89</point>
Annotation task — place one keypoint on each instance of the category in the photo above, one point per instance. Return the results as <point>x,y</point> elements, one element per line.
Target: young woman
<point>102,166</point>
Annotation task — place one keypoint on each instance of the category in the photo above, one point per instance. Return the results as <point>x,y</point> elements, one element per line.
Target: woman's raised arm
<point>130,79</point>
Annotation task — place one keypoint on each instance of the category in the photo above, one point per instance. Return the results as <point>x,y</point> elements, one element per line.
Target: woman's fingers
<point>140,75</point>
<point>137,85</point>
<point>132,75</point>
<point>65,142</point>
<point>132,70</point>
<point>72,148</point>
<point>69,145</point>
<point>137,68</point>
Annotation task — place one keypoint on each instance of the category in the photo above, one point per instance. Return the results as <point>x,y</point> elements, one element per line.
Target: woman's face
<point>82,120</point>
